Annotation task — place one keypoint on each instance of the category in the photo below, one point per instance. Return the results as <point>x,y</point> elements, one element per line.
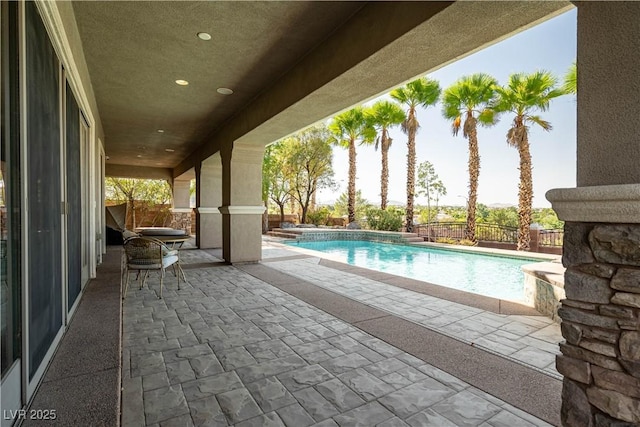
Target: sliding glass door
<point>44,210</point>
<point>10,219</point>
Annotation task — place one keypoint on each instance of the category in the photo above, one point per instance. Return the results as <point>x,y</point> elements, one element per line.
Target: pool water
<point>493,276</point>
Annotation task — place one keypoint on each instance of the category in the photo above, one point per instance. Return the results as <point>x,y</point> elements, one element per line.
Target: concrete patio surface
<point>272,344</point>
<point>528,339</point>
<point>276,343</point>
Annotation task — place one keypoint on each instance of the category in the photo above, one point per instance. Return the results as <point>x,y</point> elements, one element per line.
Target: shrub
<point>319,216</point>
<point>447,240</point>
<point>467,242</point>
<point>384,220</point>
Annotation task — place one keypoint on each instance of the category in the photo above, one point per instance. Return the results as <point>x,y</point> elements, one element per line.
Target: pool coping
<point>506,253</point>
<point>483,302</point>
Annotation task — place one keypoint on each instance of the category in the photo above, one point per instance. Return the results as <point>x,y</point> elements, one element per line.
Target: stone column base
<point>601,313</point>
<point>181,219</point>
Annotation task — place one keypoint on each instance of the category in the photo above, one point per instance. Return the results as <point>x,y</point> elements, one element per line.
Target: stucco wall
<point>608,93</point>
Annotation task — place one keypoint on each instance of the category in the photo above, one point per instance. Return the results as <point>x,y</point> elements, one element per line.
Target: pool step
<point>413,239</point>
<point>282,234</point>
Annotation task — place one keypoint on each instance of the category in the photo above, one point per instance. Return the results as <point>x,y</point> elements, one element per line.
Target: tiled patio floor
<point>230,349</point>
<point>530,340</point>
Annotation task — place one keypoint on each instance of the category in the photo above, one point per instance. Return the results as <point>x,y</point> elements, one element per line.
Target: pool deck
<point>274,344</point>
<point>503,327</point>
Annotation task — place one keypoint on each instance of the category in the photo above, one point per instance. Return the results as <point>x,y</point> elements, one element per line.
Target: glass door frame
<point>11,389</point>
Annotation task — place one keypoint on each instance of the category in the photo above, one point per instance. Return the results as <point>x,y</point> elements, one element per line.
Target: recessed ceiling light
<point>224,91</point>
<point>204,36</point>
<point>160,130</point>
<point>182,82</point>
<point>169,150</point>
<point>139,156</point>
<point>108,157</point>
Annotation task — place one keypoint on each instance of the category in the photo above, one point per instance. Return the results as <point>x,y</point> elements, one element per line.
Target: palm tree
<point>522,96</point>
<point>347,128</point>
<point>384,115</point>
<point>421,92</point>
<point>470,96</point>
<point>570,85</point>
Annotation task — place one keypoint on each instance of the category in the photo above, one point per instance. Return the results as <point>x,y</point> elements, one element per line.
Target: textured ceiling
<point>289,63</point>
<point>136,50</point>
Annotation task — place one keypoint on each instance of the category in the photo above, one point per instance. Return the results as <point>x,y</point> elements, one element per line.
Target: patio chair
<point>126,234</point>
<point>144,254</point>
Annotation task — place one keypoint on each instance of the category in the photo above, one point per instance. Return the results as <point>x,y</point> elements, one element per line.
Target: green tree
<point>506,217</point>
<point>309,165</point>
<point>275,182</point>
<point>385,115</point>
<point>430,185</point>
<point>341,206</point>
<point>482,212</point>
<point>422,92</point>
<point>147,192</point>
<point>547,218</point>
<point>523,95</point>
<point>470,97</point>
<point>389,219</point>
<point>347,128</point>
<point>570,84</point>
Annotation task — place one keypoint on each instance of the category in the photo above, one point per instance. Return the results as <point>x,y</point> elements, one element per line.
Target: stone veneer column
<point>600,359</point>
<point>181,211</point>
<point>242,206</point>
<point>208,199</point>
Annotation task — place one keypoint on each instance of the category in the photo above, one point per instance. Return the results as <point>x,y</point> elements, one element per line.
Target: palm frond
<point>542,123</point>
<point>516,135</point>
<point>487,117</point>
<point>570,84</point>
<point>455,126</point>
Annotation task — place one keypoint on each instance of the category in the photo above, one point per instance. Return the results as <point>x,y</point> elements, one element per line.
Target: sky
<point>548,46</point>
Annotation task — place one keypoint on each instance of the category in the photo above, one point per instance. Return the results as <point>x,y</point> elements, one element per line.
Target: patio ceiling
<point>289,64</point>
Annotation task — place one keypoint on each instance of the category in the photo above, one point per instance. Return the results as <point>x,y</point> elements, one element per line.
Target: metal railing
<point>484,232</point>
<point>552,238</point>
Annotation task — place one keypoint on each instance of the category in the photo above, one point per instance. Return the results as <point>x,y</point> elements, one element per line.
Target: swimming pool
<point>494,276</point>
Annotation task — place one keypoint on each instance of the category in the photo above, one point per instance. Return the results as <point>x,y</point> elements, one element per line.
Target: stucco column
<point>181,210</point>
<point>242,206</point>
<point>608,150</point>
<point>208,199</point>
<point>600,316</point>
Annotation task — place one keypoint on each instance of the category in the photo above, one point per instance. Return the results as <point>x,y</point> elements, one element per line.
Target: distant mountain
<point>501,205</point>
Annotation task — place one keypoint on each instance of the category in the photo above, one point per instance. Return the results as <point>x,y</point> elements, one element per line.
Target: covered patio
<point>196,90</point>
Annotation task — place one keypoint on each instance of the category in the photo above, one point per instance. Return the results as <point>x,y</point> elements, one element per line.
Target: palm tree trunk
<point>474,173</point>
<point>352,181</point>
<point>525,194</point>
<point>411,174</point>
<point>384,174</point>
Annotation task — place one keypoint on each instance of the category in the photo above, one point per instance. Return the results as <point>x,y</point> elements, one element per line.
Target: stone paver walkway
<point>230,349</point>
<point>530,340</point>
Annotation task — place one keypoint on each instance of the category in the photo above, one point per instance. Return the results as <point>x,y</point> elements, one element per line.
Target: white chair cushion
<point>169,260</point>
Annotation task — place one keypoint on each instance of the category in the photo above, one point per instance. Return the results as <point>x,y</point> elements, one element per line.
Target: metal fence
<point>484,232</point>
<point>552,238</point>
